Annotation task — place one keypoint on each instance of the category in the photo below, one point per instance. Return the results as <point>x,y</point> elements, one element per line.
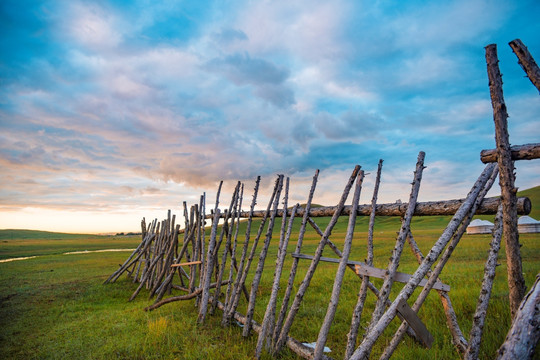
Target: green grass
<point>55,306</point>
<point>19,243</point>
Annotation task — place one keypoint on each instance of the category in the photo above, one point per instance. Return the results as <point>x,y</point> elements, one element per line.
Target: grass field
<point>54,306</point>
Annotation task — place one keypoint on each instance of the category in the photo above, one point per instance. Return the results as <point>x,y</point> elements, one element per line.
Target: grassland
<point>54,306</point>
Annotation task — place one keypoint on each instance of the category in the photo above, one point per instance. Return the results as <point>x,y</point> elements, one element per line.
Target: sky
<point>111,111</point>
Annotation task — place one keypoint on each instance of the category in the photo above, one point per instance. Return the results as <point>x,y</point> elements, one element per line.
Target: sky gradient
<point>115,110</point>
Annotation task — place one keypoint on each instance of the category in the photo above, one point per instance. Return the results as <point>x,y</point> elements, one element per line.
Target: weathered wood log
<point>270,314</point>
<point>433,275</point>
<point>189,296</point>
<point>451,319</point>
<point>234,267</point>
<point>475,335</point>
<point>293,344</point>
<point>518,152</point>
<point>340,273</point>
<point>365,270</point>
<point>365,347</point>
<point>516,282</point>
<point>362,293</point>
<point>233,303</point>
<point>318,253</point>
<point>229,229</point>
<point>526,61</point>
<point>209,266</point>
<point>245,270</point>
<point>386,287</point>
<point>294,266</point>
<point>352,266</point>
<point>523,336</point>
<point>430,208</point>
<point>262,259</point>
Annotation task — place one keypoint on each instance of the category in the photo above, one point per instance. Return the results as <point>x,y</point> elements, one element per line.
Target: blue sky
<point>114,110</point>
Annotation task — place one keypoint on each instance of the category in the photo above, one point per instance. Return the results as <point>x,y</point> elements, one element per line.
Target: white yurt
<point>478,226</point>
<point>527,224</point>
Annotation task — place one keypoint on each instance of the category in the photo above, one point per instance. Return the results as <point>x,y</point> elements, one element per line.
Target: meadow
<point>54,306</point>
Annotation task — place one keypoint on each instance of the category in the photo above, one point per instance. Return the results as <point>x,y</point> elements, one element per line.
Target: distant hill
<point>8,234</point>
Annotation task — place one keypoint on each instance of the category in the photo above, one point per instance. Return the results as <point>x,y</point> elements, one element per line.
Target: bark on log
<point>209,262</point>
<point>526,61</point>
<point>231,307</point>
<point>433,275</point>
<point>518,152</point>
<point>362,293</point>
<point>475,335</point>
<point>245,271</point>
<point>352,267</point>
<point>228,229</point>
<point>340,273</point>
<point>525,331</point>
<point>293,344</point>
<point>234,267</point>
<point>262,259</point>
<point>318,253</point>
<point>430,208</point>
<point>365,347</point>
<point>516,282</point>
<point>270,314</point>
<point>189,296</point>
<point>451,319</point>
<point>294,266</point>
<point>386,287</point>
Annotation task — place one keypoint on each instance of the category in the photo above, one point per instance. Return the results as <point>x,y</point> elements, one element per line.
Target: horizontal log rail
<point>187,263</point>
<point>366,270</point>
<point>432,208</point>
<point>519,152</point>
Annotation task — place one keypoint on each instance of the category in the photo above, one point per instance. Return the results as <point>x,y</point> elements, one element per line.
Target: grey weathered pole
<point>516,282</point>
<point>526,61</point>
<point>386,287</point>
<point>340,273</point>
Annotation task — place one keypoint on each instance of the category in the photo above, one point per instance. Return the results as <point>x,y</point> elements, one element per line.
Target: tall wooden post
<point>516,282</point>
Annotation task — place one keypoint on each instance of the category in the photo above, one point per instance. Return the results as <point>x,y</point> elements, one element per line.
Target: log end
<point>527,206</point>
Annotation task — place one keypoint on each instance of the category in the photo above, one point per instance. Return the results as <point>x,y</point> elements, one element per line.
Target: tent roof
<point>478,222</point>
<point>527,220</point>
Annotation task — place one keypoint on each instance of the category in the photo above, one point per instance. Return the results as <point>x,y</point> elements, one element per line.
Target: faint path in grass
<point>95,251</point>
<point>67,253</point>
<point>16,259</point>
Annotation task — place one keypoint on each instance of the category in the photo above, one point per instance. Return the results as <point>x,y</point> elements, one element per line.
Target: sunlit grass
<point>55,306</point>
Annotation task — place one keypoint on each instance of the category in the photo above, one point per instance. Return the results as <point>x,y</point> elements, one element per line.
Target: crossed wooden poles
<point>201,264</point>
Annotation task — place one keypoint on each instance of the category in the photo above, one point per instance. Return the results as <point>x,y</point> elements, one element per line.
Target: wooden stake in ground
<point>209,262</point>
<point>340,273</point>
<point>269,315</point>
<point>262,258</point>
<point>516,282</point>
<point>357,312</point>
<point>384,292</point>
<point>371,336</point>
<point>294,266</point>
<point>434,275</point>
<point>318,253</point>
<point>231,306</point>
<point>485,293</point>
<point>525,331</point>
<point>245,270</point>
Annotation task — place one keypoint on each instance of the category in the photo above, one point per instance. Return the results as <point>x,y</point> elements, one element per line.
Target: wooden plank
<point>366,270</point>
<point>415,323</point>
<point>186,263</point>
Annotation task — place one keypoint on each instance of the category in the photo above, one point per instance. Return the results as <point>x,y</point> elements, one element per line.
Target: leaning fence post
<point>516,282</point>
